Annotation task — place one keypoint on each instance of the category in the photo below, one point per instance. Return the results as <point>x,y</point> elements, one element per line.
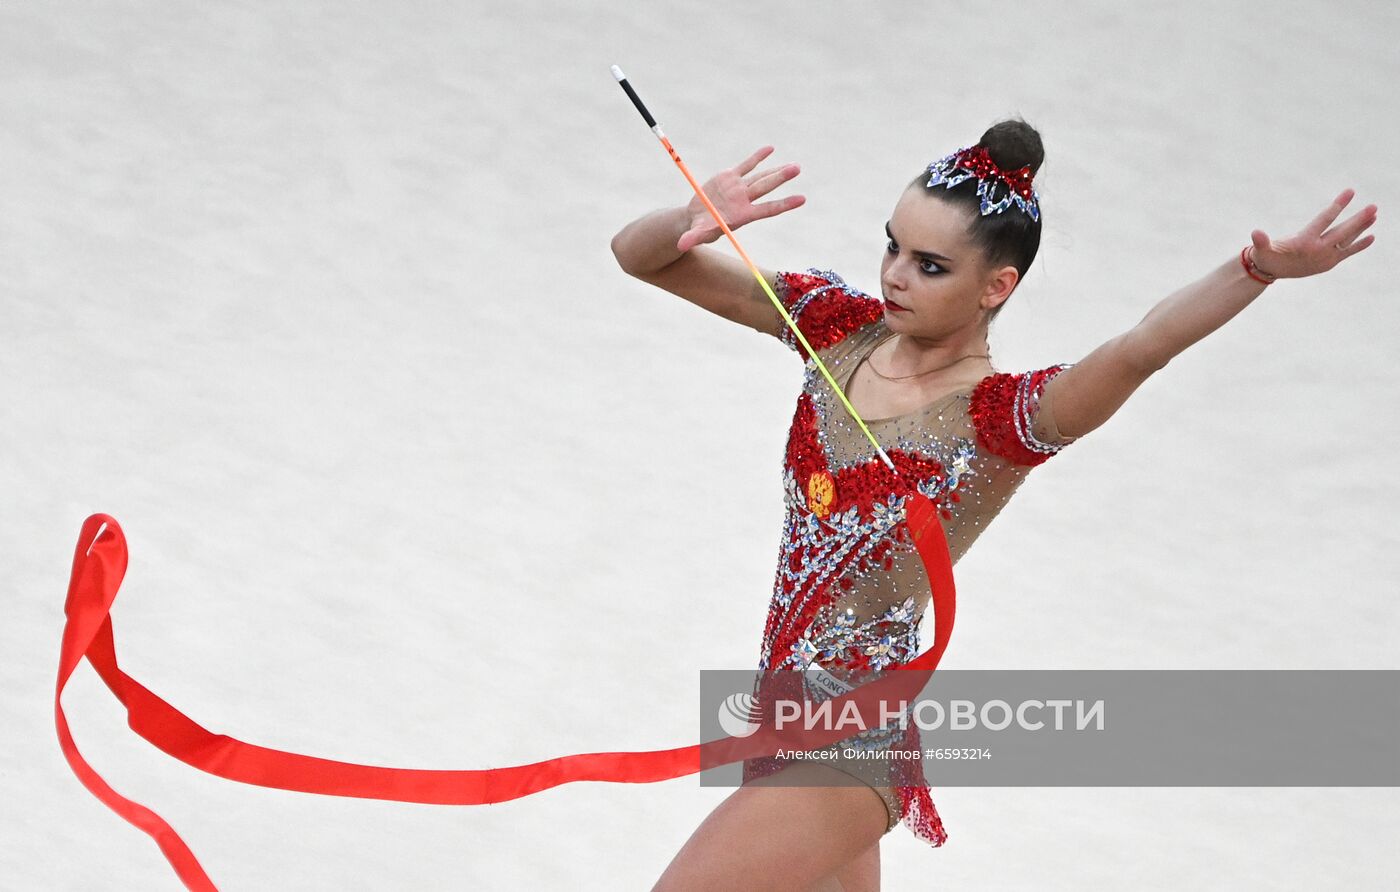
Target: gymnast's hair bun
<point>1014,144</point>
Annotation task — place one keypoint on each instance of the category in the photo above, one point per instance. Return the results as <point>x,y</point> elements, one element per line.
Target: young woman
<point>915,363</point>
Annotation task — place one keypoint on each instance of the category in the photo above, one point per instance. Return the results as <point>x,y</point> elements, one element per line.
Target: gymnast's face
<point>939,279</point>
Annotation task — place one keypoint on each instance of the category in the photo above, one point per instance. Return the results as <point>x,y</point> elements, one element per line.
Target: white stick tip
<point>617,73</point>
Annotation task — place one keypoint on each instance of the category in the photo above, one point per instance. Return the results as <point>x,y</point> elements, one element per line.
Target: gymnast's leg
<point>770,837</point>
<point>861,874</point>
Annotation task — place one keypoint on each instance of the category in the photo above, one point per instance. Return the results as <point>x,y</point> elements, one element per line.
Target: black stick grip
<point>637,101</point>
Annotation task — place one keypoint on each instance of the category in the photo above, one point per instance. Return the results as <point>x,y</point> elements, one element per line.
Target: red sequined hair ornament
<point>976,161</point>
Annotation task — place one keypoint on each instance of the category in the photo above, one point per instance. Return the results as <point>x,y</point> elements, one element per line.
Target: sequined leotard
<point>850,590</point>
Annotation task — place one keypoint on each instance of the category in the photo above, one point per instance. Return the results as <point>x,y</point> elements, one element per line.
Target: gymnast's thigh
<point>772,834</point>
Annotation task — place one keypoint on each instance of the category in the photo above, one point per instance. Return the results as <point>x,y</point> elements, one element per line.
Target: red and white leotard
<point>850,590</point>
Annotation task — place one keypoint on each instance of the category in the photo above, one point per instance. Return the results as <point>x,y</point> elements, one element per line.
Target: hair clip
<point>976,162</point>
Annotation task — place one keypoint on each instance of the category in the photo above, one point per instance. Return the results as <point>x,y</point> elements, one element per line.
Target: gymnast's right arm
<point>666,248</point>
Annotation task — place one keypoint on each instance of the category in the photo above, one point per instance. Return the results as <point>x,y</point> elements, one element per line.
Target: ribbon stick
<point>99,564</point>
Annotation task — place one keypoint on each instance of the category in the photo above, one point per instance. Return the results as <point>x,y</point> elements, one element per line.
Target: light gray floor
<point>316,299</point>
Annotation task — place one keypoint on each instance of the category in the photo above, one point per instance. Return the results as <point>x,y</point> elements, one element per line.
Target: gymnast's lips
<point>891,305</point>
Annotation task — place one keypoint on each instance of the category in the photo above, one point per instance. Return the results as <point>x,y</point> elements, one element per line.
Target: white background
<point>316,300</point>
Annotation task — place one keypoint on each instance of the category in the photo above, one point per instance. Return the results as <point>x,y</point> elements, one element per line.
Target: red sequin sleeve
<point>1010,419</point>
<point>824,307</point>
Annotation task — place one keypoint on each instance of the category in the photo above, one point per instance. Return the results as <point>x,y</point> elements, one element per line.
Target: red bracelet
<point>1250,269</point>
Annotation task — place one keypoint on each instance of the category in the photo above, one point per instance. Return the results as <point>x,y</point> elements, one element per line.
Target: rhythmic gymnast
<point>868,544</point>
<point>915,363</point>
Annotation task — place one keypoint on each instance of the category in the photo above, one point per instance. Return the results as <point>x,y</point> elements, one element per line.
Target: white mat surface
<point>316,299</point>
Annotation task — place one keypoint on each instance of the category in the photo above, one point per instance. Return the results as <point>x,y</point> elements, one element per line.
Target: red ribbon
<point>99,563</point>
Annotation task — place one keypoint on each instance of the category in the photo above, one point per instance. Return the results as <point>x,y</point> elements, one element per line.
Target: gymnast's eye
<point>925,264</point>
<point>892,247</point>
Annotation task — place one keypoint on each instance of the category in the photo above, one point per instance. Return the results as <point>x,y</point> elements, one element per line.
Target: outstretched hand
<point>1316,249</point>
<point>732,192</point>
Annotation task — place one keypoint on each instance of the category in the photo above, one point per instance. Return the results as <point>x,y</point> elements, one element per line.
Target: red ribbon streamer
<point>99,563</point>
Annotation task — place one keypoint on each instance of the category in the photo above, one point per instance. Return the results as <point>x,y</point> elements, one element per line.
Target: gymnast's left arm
<point>1087,393</point>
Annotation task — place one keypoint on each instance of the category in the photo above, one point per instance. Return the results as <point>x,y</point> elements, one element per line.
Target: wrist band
<point>1250,269</point>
